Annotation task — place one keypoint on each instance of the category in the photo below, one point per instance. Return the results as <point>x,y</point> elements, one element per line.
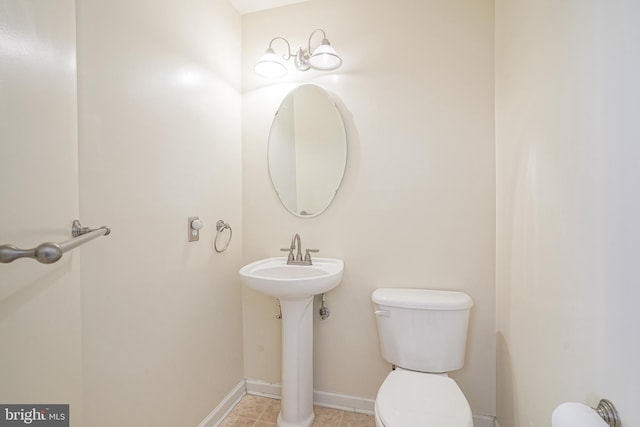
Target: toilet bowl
<point>416,399</point>
<point>423,333</point>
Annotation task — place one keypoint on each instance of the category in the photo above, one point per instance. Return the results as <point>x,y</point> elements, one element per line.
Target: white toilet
<point>423,333</point>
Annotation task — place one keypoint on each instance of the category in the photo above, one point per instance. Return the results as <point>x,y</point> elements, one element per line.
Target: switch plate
<point>193,234</point>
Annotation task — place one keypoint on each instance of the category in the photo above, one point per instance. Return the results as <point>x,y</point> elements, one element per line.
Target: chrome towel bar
<point>49,252</point>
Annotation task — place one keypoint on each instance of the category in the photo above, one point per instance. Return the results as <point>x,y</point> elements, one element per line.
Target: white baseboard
<point>262,388</point>
<point>346,403</point>
<point>320,398</point>
<point>227,404</point>
<point>340,401</point>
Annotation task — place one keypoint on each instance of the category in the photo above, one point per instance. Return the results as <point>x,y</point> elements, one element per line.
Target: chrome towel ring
<point>220,227</point>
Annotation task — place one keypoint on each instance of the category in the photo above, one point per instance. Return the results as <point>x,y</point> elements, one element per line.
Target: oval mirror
<point>307,151</point>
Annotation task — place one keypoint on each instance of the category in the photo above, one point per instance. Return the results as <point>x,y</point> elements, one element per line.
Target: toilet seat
<point>416,399</point>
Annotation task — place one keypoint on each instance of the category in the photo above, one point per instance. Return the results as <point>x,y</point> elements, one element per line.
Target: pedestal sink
<point>295,286</point>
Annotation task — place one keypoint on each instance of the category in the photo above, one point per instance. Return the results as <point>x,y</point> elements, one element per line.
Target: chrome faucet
<point>297,258</point>
<point>295,241</point>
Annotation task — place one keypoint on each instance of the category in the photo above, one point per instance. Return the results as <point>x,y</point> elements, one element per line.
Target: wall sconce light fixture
<point>323,58</point>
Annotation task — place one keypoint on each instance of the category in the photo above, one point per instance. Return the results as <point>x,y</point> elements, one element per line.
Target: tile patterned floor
<point>257,411</point>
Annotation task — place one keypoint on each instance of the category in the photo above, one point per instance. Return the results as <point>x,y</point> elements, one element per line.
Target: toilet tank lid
<point>422,299</point>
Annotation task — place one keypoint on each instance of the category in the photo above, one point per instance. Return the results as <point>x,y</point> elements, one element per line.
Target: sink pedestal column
<point>296,408</point>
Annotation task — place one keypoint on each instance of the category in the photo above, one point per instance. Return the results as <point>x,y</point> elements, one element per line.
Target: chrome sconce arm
<point>287,55</point>
<point>323,58</point>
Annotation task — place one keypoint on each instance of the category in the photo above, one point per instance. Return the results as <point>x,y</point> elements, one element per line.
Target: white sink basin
<point>273,277</point>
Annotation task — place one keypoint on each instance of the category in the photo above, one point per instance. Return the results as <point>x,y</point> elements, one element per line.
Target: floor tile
<point>354,419</point>
<point>327,417</point>
<point>258,411</point>
<point>251,406</point>
<point>270,414</point>
<point>236,421</point>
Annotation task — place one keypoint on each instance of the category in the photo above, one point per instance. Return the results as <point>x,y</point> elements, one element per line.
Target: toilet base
<point>378,421</point>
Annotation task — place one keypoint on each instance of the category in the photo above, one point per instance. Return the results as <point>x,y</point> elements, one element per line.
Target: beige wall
<point>567,162</point>
<point>151,323</point>
<point>416,207</point>
<point>147,323</point>
<point>40,336</point>
<point>159,93</point>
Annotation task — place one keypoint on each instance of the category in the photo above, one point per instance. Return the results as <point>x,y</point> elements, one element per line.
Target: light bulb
<point>270,65</point>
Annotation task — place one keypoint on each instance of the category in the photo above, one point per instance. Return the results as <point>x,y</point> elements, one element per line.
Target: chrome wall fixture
<point>608,413</point>
<point>324,311</point>
<point>220,227</point>
<point>50,252</point>
<point>323,58</point>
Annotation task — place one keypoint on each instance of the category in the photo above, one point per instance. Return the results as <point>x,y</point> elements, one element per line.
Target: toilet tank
<point>421,329</point>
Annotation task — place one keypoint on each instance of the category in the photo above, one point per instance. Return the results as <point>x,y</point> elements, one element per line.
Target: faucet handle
<point>290,257</point>
<point>307,255</point>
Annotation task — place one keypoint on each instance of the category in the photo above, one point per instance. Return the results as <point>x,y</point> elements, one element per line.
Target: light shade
<point>270,65</point>
<point>325,57</point>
